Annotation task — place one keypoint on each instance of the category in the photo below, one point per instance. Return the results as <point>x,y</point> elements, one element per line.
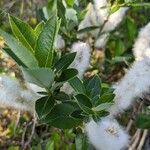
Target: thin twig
<point>133,146</point>
<point>145,133</point>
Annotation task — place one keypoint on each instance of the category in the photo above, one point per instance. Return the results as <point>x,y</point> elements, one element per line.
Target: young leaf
<point>64,62</point>
<point>46,42</point>
<point>23,32</point>
<point>19,50</point>
<point>43,77</point>
<point>38,29</point>
<point>67,74</point>
<point>77,85</point>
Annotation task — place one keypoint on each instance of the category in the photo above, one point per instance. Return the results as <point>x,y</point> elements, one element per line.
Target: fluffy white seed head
<point>115,19</point>
<point>13,95</point>
<point>9,91</point>
<point>142,43</point>
<point>81,62</point>
<point>60,43</point>
<point>102,40</point>
<point>133,85</point>
<point>97,14</point>
<point>107,134</point>
<point>82,59</point>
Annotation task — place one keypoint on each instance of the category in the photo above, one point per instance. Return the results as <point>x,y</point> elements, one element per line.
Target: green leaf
<point>77,85</point>
<point>60,116</point>
<point>23,32</point>
<point>46,42</point>
<point>61,96</point>
<point>70,2</point>
<point>81,142</point>
<point>143,121</point>
<point>44,105</point>
<point>43,77</point>
<point>13,148</point>
<point>84,103</point>
<point>66,122</point>
<point>131,27</point>
<point>14,57</point>
<point>103,106</point>
<point>61,10</point>
<point>67,74</point>
<point>64,62</point>
<point>38,29</point>
<point>93,86</point>
<point>105,98</point>
<point>50,145</point>
<point>19,50</point>
<point>119,48</point>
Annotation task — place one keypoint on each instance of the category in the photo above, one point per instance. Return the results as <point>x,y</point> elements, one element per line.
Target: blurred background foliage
<point>111,65</point>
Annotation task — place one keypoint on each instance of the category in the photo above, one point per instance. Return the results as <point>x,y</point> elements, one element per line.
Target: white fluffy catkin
<point>14,96</point>
<point>82,59</point>
<point>136,81</point>
<point>81,62</point>
<point>97,13</point>
<point>142,43</point>
<point>107,134</point>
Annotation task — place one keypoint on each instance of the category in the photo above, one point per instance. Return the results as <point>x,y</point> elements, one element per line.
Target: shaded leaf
<point>67,74</point>
<point>43,77</point>
<point>64,62</point>
<point>44,105</point>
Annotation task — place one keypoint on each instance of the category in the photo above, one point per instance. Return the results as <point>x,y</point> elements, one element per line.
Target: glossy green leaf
<point>46,42</point>
<point>23,32</point>
<point>43,77</point>
<point>60,116</point>
<point>64,62</point>
<point>19,50</point>
<point>84,103</point>
<point>44,105</point>
<point>67,74</point>
<point>77,85</point>
<point>93,86</point>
